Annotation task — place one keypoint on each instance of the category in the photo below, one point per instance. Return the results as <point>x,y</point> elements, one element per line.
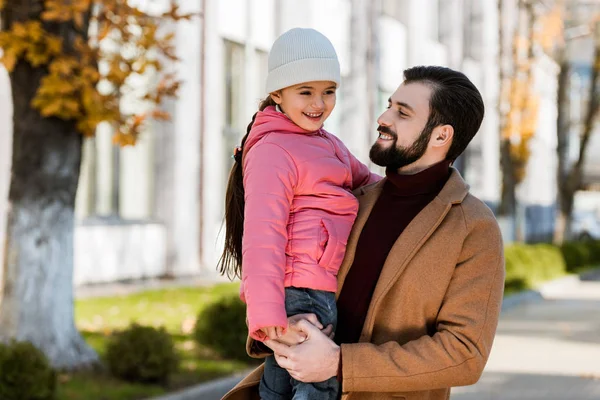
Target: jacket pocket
<point>327,243</point>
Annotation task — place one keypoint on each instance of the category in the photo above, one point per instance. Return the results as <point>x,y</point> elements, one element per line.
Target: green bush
<point>550,261</point>
<point>529,265</point>
<point>576,255</point>
<point>25,373</point>
<point>594,248</point>
<point>222,327</point>
<point>142,354</point>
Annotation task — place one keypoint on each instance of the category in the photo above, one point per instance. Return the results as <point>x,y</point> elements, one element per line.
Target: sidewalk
<point>546,348</point>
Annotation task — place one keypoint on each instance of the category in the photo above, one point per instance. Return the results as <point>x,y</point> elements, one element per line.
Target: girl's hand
<point>273,332</point>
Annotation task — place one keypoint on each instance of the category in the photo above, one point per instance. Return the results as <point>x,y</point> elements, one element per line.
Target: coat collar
<point>416,233</point>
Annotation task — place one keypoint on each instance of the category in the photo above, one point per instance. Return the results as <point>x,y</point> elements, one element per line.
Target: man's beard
<point>394,157</point>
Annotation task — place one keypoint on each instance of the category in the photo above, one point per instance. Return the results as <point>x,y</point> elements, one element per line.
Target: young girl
<point>289,203</point>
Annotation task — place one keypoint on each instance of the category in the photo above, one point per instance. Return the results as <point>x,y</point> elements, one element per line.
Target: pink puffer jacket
<point>298,215</point>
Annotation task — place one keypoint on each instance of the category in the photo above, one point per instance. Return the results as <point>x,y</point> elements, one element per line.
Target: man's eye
<point>305,93</point>
<point>330,92</point>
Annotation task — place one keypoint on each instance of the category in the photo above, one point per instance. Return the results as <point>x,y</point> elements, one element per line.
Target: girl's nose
<point>319,103</point>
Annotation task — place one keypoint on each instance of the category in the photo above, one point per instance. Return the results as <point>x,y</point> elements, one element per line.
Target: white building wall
<point>186,132</point>
<point>489,189</point>
<point>6,115</point>
<point>539,186</point>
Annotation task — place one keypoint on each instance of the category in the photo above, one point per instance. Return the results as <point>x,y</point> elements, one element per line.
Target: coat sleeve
<point>466,324</point>
<point>270,177</point>
<point>361,175</point>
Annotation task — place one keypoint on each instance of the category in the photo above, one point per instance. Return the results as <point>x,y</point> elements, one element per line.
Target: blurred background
<point>148,218</point>
<point>158,206</point>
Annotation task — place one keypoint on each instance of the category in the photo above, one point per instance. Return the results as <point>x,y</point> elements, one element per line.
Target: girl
<point>289,203</point>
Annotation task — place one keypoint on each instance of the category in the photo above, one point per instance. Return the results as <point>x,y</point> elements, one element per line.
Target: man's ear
<point>442,135</point>
<point>276,96</point>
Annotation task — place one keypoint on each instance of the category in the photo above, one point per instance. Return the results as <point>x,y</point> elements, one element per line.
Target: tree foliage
<point>115,44</point>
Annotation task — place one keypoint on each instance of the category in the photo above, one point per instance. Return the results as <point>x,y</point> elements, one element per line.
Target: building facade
<point>157,209</point>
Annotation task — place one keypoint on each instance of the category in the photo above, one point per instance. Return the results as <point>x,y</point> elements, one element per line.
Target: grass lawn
<point>176,309</point>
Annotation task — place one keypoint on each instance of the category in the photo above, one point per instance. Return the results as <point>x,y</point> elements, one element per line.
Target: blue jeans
<point>276,383</point>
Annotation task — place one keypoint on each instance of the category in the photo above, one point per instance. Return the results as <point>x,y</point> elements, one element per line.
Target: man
<point>420,289</point>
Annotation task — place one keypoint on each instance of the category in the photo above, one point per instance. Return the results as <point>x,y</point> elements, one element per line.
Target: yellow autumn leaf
<point>161,115</point>
<point>71,106</point>
<point>63,66</point>
<point>9,60</point>
<point>50,109</point>
<point>19,30</point>
<point>35,31</point>
<point>54,45</point>
<point>78,19</point>
<point>37,59</point>
<point>104,30</point>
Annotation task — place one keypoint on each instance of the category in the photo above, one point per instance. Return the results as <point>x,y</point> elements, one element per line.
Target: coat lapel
<point>367,201</point>
<point>411,240</point>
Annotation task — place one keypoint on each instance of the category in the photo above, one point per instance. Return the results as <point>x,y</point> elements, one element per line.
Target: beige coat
<point>433,316</point>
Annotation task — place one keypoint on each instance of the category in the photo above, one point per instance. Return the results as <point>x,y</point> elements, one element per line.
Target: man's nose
<point>382,120</point>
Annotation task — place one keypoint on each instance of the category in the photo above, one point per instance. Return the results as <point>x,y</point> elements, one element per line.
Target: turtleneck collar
<point>424,182</point>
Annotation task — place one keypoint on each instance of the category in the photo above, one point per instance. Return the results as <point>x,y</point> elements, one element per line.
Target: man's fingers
<point>278,348</point>
<point>282,361</point>
<point>307,327</point>
<point>328,331</point>
<point>312,318</point>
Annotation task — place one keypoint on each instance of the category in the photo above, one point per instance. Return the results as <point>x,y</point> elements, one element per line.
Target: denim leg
<point>300,301</point>
<point>327,390</point>
<point>275,383</point>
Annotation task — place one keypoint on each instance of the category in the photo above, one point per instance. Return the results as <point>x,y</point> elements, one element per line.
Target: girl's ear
<point>276,96</point>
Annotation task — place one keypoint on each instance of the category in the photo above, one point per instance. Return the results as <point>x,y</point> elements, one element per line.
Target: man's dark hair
<point>454,101</point>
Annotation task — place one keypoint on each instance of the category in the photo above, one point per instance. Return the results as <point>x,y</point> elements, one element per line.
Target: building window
<point>234,127</point>
<point>473,29</point>
<point>262,64</point>
<point>116,183</point>
<point>444,21</point>
<point>397,9</point>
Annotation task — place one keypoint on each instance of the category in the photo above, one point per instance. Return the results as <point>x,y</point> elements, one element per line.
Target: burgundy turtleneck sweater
<point>402,198</point>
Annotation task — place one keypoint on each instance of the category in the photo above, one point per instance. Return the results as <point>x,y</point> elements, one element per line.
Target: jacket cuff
<point>257,349</point>
<point>346,367</point>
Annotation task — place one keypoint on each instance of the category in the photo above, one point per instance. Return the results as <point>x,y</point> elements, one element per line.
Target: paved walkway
<point>545,350</point>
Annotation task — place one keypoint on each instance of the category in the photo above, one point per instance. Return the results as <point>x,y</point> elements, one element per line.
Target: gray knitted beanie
<point>301,55</point>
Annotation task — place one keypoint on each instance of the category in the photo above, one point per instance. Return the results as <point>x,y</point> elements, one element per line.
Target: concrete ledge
<point>547,289</point>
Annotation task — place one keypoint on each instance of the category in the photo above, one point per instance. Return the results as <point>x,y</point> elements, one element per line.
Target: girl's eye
<point>305,93</point>
<point>330,92</point>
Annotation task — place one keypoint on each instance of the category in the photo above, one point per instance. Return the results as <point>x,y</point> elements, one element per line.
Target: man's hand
<point>314,360</point>
<point>294,335</point>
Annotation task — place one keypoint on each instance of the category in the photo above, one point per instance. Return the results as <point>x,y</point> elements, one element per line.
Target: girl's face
<point>308,104</point>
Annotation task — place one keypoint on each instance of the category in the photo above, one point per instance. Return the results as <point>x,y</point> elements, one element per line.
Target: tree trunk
<point>508,200</point>
<point>562,132</point>
<point>37,298</point>
<point>574,178</point>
